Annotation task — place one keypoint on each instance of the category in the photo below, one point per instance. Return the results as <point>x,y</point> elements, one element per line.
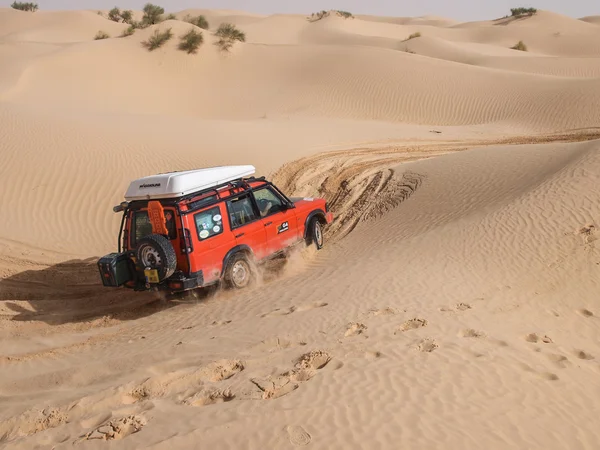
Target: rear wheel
<point>240,271</point>
<point>315,233</point>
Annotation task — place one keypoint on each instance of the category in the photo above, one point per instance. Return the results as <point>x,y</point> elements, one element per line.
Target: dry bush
<point>520,46</point>
<point>158,39</point>
<point>191,41</point>
<point>101,35</point>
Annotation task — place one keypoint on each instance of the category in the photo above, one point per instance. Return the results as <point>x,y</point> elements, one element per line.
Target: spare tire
<point>156,252</point>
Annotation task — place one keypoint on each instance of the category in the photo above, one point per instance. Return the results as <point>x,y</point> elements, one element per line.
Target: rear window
<point>208,223</point>
<point>143,227</point>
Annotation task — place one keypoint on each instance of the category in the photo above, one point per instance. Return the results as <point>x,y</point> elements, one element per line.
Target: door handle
<point>268,223</point>
<point>239,235</point>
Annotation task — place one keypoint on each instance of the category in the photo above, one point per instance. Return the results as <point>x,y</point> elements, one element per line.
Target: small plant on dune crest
<point>22,6</point>
<point>412,36</point>
<point>101,35</point>
<point>518,12</point>
<point>191,41</point>
<point>100,13</point>
<point>319,15</point>
<point>171,17</point>
<point>152,14</point>
<point>129,31</point>
<point>228,34</point>
<point>345,14</point>
<point>158,39</point>
<point>114,14</point>
<point>199,21</point>
<point>520,46</point>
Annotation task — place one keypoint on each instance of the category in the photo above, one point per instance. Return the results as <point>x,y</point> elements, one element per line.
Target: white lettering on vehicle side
<point>283,227</point>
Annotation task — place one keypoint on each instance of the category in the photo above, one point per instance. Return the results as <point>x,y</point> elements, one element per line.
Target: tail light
<point>176,284</point>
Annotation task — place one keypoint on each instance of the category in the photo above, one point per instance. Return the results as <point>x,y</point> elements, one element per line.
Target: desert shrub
<point>22,6</point>
<point>199,21</point>
<point>100,13</point>
<point>412,36</point>
<point>158,39</point>
<point>115,14</point>
<point>101,35</point>
<point>319,15</point>
<point>516,12</point>
<point>191,41</point>
<point>229,31</point>
<point>171,17</point>
<point>345,14</point>
<point>520,46</point>
<point>127,16</point>
<point>129,31</point>
<point>152,14</point>
<point>228,34</point>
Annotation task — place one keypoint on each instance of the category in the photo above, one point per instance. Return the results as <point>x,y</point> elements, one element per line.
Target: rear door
<point>279,221</point>
<point>246,225</point>
<point>211,241</point>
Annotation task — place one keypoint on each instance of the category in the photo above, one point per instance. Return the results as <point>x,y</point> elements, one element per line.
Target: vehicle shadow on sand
<point>72,292</point>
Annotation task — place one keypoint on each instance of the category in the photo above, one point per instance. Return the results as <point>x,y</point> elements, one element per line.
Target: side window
<point>268,202</point>
<point>208,223</point>
<point>143,227</point>
<point>241,211</point>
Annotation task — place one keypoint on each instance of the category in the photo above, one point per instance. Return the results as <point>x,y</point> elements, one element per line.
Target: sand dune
<point>591,19</point>
<point>453,306</point>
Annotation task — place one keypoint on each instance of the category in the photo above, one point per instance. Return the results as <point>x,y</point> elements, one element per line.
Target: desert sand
<point>455,304</point>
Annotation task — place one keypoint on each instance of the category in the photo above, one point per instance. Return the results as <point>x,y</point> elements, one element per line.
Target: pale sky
<point>457,9</point>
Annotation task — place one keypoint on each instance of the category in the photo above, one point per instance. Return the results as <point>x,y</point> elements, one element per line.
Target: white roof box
<point>176,184</point>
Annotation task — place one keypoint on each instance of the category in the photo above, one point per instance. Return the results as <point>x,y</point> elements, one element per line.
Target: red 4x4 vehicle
<point>184,230</point>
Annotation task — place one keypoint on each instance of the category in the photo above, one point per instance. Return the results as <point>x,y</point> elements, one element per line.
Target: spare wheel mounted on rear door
<point>155,253</point>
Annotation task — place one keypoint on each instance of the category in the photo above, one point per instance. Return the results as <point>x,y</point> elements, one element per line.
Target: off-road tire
<point>156,252</point>
<point>240,271</point>
<point>315,233</point>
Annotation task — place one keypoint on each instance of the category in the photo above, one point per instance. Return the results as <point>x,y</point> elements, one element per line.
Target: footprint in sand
<point>458,307</point>
<point>585,312</point>
<point>209,397</point>
<point>583,355</point>
<point>116,429</point>
<point>471,333</point>
<point>411,324</point>
<point>279,312</point>
<point>545,375</point>
<point>534,338</point>
<point>305,368</point>
<point>427,345</point>
<point>220,322</point>
<point>309,306</point>
<point>298,435</point>
<point>387,311</point>
<point>559,360</point>
<point>548,376</point>
<point>291,309</point>
<point>354,329</point>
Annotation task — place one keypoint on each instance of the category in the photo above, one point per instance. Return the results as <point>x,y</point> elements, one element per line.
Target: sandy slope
<point>455,305</point>
<point>488,317</point>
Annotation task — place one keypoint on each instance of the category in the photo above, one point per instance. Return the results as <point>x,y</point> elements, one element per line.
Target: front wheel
<point>240,272</point>
<point>315,233</point>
